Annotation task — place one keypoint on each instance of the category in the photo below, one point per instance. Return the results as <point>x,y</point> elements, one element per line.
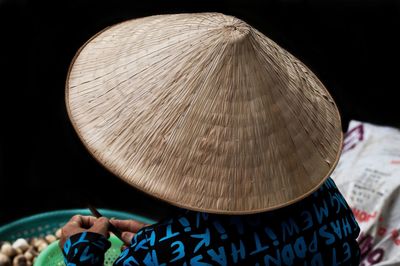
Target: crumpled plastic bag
<point>368,175</point>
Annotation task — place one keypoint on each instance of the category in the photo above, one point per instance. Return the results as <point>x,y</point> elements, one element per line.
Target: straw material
<point>205,112</point>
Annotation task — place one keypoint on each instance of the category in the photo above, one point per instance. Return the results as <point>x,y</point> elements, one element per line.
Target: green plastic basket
<point>40,225</point>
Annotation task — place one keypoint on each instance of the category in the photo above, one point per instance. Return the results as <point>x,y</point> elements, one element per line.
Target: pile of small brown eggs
<point>23,252</point>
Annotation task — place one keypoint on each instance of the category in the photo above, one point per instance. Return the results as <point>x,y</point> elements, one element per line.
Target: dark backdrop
<point>352,46</point>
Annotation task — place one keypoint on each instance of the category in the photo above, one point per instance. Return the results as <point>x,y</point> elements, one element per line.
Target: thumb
<point>100,226</point>
<point>127,237</point>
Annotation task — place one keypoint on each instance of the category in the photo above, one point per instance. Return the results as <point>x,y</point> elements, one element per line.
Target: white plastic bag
<point>368,175</point>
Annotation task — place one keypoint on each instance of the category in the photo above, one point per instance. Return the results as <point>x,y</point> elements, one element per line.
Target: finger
<point>74,223</point>
<point>88,221</point>
<point>100,226</point>
<point>68,232</point>
<point>76,219</point>
<point>128,225</point>
<point>127,237</point>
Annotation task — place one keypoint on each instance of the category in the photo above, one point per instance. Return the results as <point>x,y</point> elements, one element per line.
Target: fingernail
<point>103,219</point>
<point>127,235</point>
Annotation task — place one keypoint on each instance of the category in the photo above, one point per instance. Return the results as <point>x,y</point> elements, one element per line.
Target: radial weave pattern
<point>203,111</point>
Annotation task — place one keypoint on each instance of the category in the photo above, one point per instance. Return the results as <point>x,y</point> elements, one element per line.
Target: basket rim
<point>45,215</point>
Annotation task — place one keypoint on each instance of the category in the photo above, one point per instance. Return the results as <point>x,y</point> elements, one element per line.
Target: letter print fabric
<point>86,248</point>
<point>319,230</point>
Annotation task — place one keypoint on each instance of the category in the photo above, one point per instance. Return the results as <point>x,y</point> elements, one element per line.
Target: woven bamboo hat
<point>205,112</point>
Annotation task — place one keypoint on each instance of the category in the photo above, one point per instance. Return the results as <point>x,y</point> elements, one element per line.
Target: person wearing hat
<point>205,112</point>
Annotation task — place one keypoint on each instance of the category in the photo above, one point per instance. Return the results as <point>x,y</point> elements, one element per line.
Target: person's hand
<point>79,224</point>
<point>128,228</point>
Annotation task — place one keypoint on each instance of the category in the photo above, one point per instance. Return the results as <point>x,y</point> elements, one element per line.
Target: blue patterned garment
<point>318,230</point>
<point>86,248</point>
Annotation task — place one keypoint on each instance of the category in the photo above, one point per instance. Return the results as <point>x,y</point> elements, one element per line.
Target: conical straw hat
<point>205,112</point>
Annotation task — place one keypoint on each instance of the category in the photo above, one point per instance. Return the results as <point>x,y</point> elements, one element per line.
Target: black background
<point>352,46</point>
